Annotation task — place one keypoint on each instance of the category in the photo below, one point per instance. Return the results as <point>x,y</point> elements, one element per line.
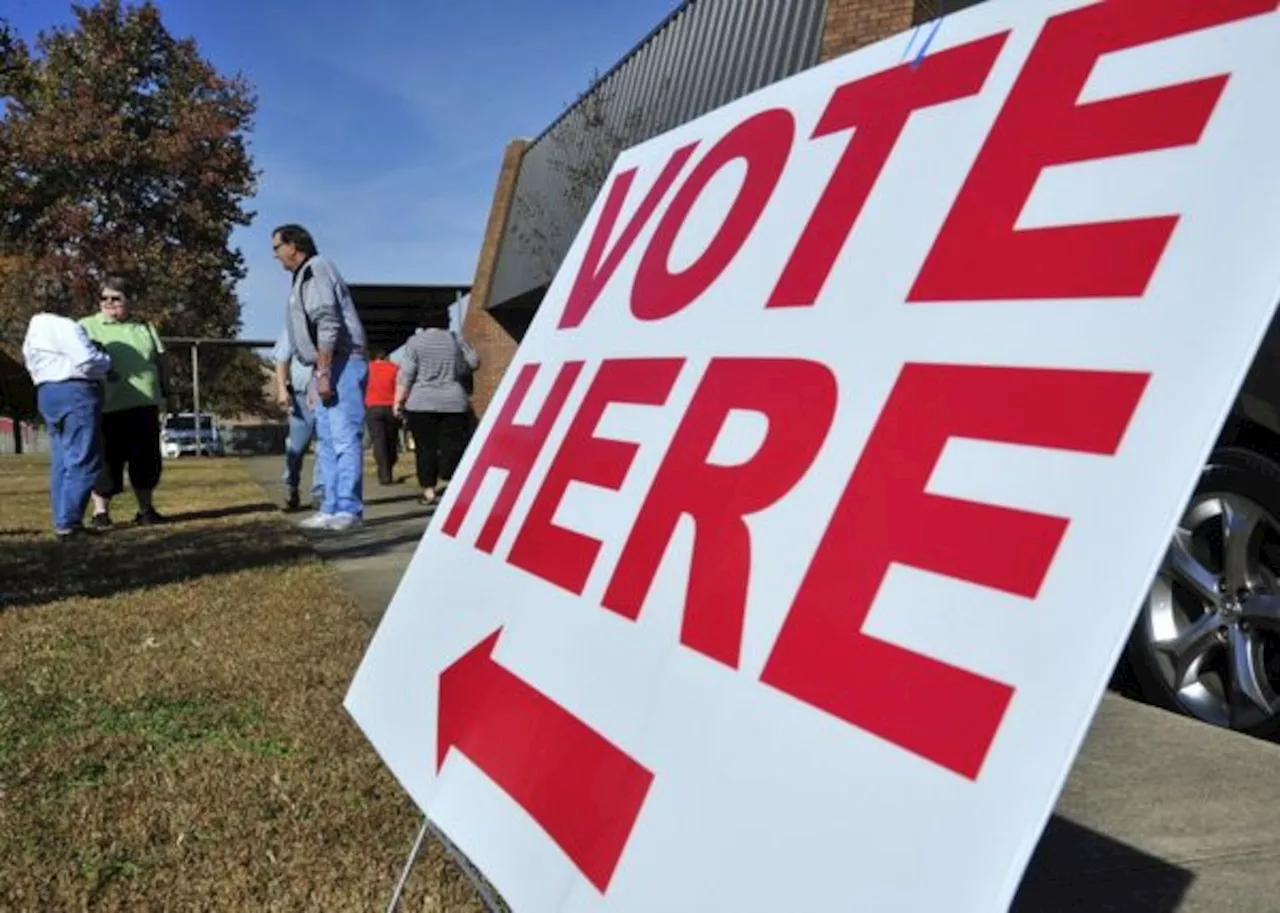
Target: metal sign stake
<point>491,903</point>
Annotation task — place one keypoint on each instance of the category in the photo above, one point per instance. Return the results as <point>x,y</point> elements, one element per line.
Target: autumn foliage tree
<point>123,151</point>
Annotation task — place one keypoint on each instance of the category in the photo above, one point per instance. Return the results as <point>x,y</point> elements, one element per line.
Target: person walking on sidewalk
<point>131,406</point>
<point>431,397</point>
<point>325,333</point>
<point>293,379</point>
<point>384,426</point>
<point>68,370</point>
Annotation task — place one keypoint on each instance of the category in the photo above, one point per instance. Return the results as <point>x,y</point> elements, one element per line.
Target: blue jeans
<point>73,410</point>
<point>340,437</point>
<point>302,428</point>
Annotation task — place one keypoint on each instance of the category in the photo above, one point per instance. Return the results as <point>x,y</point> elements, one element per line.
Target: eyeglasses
<point>116,298</point>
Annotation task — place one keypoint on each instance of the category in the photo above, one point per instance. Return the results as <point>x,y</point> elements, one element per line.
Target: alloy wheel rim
<point>1212,617</point>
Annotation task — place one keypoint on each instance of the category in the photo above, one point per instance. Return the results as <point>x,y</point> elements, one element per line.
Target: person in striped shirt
<point>433,402</point>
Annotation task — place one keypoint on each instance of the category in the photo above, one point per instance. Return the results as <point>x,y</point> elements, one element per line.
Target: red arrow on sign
<point>583,790</point>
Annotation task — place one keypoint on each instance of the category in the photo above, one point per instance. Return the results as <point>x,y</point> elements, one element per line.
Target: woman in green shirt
<point>131,406</point>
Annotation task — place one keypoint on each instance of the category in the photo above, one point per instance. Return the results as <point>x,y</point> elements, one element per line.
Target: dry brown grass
<point>171,728</point>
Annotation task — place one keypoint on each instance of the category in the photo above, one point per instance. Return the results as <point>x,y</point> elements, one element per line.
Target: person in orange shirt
<point>384,427</point>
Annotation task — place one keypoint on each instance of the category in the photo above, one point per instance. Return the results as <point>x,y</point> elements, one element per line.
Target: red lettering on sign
<point>511,447</point>
<point>763,142</point>
<point>823,657</point>
<point>980,254</point>
<point>798,398</point>
<point>562,556</point>
<point>876,109</point>
<point>596,268</point>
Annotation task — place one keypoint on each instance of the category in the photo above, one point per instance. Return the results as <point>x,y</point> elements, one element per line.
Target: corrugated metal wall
<point>706,54</point>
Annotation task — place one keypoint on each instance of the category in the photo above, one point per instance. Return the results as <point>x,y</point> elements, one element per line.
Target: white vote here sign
<point>792,558</point>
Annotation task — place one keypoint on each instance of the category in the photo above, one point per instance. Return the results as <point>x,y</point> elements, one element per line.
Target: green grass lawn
<point>171,728</point>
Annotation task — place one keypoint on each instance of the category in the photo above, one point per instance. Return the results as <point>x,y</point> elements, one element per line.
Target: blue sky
<point>381,123</point>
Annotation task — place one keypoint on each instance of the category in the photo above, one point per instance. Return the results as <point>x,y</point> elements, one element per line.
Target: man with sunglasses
<point>325,333</point>
<point>131,405</point>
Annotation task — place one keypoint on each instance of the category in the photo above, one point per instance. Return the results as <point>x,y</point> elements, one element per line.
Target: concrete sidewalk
<point>371,559</point>
<point>1160,815</point>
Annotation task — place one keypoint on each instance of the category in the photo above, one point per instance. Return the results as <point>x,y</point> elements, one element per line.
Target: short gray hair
<point>116,284</point>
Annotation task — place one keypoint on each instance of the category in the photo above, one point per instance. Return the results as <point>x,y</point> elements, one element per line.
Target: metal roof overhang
<point>390,313</point>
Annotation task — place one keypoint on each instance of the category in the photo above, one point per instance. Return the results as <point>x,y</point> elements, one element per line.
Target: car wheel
<point>1207,640</point>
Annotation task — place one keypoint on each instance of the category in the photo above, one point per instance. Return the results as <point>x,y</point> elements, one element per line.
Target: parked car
<point>178,436</point>
<point>1207,639</point>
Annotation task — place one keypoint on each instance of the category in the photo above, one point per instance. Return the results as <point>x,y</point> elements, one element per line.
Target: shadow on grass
<point>393,499</point>
<point>420,515</point>
<point>375,536</point>
<point>43,571</point>
<point>1078,870</point>
<point>239,510</point>
<point>348,547</point>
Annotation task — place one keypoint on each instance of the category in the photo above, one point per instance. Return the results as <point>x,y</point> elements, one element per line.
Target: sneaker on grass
<point>318,520</point>
<point>341,522</point>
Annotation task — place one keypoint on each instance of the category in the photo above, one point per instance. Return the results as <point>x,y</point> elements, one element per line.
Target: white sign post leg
<point>491,903</point>
<point>408,866</point>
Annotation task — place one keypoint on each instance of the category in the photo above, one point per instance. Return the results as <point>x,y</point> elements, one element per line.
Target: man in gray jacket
<point>325,333</point>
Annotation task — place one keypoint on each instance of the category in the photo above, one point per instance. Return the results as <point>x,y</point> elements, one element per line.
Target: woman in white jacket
<point>68,371</point>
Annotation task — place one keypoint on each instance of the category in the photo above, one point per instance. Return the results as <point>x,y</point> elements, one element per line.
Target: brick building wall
<point>850,24</point>
<point>495,343</point>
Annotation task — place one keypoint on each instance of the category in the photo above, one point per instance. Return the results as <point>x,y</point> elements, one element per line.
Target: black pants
<point>383,432</point>
<point>439,440</point>
<point>130,437</point>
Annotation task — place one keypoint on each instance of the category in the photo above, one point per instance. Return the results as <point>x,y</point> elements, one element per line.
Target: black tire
<point>1230,471</point>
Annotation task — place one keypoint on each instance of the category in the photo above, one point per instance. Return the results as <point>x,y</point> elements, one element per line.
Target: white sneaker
<point>318,520</point>
<point>341,522</point>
